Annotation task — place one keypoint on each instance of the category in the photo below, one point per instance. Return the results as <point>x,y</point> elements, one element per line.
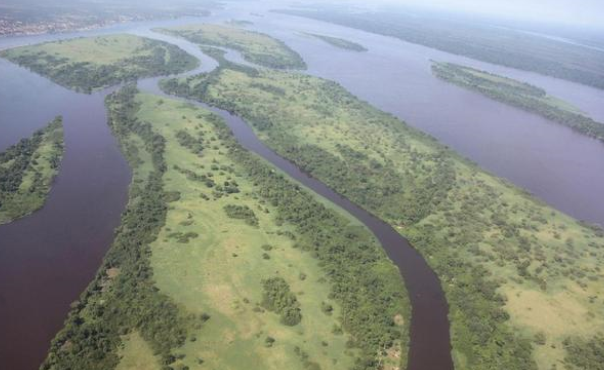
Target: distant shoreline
<point>11,28</point>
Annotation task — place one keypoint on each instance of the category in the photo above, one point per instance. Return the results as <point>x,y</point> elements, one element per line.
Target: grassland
<point>207,225</point>
<point>523,281</point>
<point>479,40</point>
<point>136,354</point>
<point>521,95</point>
<point>85,64</point>
<point>255,47</point>
<point>27,170</point>
<point>339,43</point>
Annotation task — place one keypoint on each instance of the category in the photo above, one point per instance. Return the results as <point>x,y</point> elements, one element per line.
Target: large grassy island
<point>86,64</point>
<point>221,262</point>
<point>255,47</point>
<point>521,95</point>
<point>523,281</point>
<point>27,170</point>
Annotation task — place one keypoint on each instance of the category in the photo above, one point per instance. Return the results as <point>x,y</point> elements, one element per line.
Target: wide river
<point>48,258</point>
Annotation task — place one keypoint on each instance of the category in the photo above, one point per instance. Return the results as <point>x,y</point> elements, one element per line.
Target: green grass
<point>33,163</point>
<point>502,256</point>
<point>338,42</point>
<point>220,272</point>
<point>136,354</point>
<point>255,47</point>
<point>91,63</point>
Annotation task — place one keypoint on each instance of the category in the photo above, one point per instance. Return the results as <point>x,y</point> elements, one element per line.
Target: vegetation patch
<point>136,354</point>
<point>85,64</point>
<point>27,170</point>
<point>585,354</point>
<point>241,213</point>
<point>255,47</point>
<point>339,43</point>
<point>278,298</point>
<point>521,95</point>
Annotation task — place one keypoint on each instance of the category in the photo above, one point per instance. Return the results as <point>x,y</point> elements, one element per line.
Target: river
<point>48,258</point>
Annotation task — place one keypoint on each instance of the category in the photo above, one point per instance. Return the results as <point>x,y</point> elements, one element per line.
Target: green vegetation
<point>530,274</point>
<point>585,354</point>
<point>255,47</point>
<point>521,95</point>
<point>484,42</point>
<point>241,213</point>
<point>136,354</point>
<point>86,64</point>
<point>339,43</point>
<point>278,298</point>
<point>27,170</point>
<point>216,301</point>
<point>239,23</point>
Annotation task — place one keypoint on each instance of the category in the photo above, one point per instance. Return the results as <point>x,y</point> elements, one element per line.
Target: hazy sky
<point>567,11</point>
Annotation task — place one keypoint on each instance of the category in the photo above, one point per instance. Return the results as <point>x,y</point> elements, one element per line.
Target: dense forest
<point>27,170</point>
<point>495,45</point>
<point>518,94</point>
<point>488,241</point>
<point>119,58</point>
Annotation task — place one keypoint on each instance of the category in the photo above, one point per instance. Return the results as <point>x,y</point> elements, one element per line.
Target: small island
<point>27,170</point>
<point>239,23</point>
<point>255,47</point>
<point>339,43</point>
<point>521,95</point>
<point>85,64</point>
